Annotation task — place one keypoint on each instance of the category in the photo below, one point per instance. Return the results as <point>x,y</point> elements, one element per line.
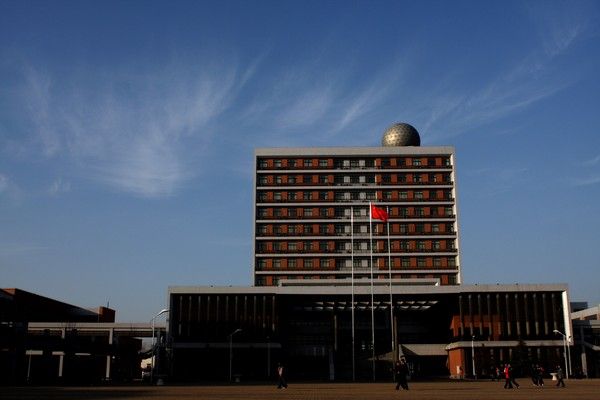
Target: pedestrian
<point>507,378</point>
<point>401,372</point>
<point>540,375</point>
<point>534,374</point>
<point>559,376</point>
<point>512,376</point>
<point>281,376</point>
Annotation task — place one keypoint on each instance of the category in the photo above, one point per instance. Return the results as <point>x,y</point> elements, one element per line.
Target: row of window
<point>324,263</point>
<point>344,163</point>
<point>274,280</point>
<point>325,245</point>
<point>346,229</point>
<point>341,212</point>
<point>389,195</point>
<point>276,180</point>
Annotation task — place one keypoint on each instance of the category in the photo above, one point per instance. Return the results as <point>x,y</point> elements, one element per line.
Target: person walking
<point>281,376</point>
<point>401,371</point>
<point>540,375</point>
<point>512,377</point>
<point>559,376</point>
<point>507,377</point>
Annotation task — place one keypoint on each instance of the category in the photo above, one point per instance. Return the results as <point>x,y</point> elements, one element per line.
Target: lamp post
<point>564,350</point>
<point>231,353</point>
<point>161,312</point>
<point>473,355</point>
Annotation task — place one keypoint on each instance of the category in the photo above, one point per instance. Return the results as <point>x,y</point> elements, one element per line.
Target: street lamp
<point>473,355</point>
<point>231,352</point>
<point>161,312</point>
<point>564,350</point>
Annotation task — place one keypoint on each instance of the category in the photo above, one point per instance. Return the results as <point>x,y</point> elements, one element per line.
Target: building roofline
<point>332,151</point>
<point>361,290</point>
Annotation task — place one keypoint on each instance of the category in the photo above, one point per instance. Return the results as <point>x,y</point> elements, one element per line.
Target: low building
<point>218,332</point>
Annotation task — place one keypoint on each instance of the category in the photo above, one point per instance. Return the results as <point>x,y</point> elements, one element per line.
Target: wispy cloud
<point>18,248</point>
<point>527,82</point>
<point>592,161</point>
<point>130,129</point>
<point>591,180</point>
<point>58,187</point>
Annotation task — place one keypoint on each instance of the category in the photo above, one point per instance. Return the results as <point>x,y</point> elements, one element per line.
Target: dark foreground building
<point>438,329</point>
<point>45,341</point>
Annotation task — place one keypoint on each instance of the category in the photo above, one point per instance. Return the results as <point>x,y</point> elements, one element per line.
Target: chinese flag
<point>379,213</point>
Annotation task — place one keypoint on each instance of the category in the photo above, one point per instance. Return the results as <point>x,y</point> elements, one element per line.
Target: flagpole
<point>372,297</point>
<point>390,281</point>
<point>352,280</point>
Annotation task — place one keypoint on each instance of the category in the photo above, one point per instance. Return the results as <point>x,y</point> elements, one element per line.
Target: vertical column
<point>526,310</point>
<point>489,313</point>
<point>517,315</point>
<point>61,357</point>
<point>471,327</point>
<point>545,314</point>
<point>480,314</point>
<point>461,316</point>
<point>554,307</point>
<point>111,333</point>
<point>508,326</point>
<point>536,317</point>
<point>498,314</point>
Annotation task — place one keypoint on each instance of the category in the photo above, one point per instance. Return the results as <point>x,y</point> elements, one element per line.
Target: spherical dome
<point>401,134</point>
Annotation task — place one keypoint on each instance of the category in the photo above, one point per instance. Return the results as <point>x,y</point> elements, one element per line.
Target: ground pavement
<point>477,390</point>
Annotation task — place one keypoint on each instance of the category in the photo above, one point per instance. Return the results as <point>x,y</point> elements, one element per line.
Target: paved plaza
<point>576,389</point>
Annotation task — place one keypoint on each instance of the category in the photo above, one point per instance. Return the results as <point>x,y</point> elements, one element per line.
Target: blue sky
<point>127,132</point>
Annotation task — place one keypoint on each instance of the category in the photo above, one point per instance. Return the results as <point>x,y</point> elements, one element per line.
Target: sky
<point>127,132</point>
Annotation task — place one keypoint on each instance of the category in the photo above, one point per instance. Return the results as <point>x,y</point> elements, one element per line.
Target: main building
<point>304,198</point>
<point>339,294</point>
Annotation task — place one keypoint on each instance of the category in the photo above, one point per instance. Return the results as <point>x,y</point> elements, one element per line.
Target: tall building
<point>304,198</point>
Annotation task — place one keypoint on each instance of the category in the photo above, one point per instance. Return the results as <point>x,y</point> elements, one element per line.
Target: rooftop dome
<point>401,134</point>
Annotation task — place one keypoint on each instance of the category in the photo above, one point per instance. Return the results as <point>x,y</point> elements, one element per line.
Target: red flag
<point>379,213</point>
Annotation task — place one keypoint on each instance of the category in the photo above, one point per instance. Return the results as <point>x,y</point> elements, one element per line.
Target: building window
<point>308,212</point>
<point>277,263</point>
<point>278,179</point>
<point>292,246</point>
<point>416,162</point>
<point>405,262</point>
<point>420,262</point>
<point>307,229</point>
<point>435,228</point>
<point>420,245</point>
<point>420,228</point>
<point>307,163</point>
<point>323,212</point>
<point>401,178</point>
<point>387,195</point>
<point>322,195</point>
<point>323,163</point>
<point>262,196</point>
<point>291,195</point>
<point>403,228</point>
<point>262,164</point>
<point>262,229</point>
<point>404,245</point>
<point>436,245</point>
<point>448,211</point>
<point>292,163</point>
<point>277,196</point>
<point>419,211</point>
<point>262,180</point>
<point>308,263</point>
<point>403,194</point>
<point>277,163</point>
<point>417,178</point>
<point>292,212</point>
<point>324,179</point>
<point>451,262</point>
<point>291,180</point>
<point>324,263</point>
<point>292,263</point>
<point>419,195</point>
<point>437,262</point>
